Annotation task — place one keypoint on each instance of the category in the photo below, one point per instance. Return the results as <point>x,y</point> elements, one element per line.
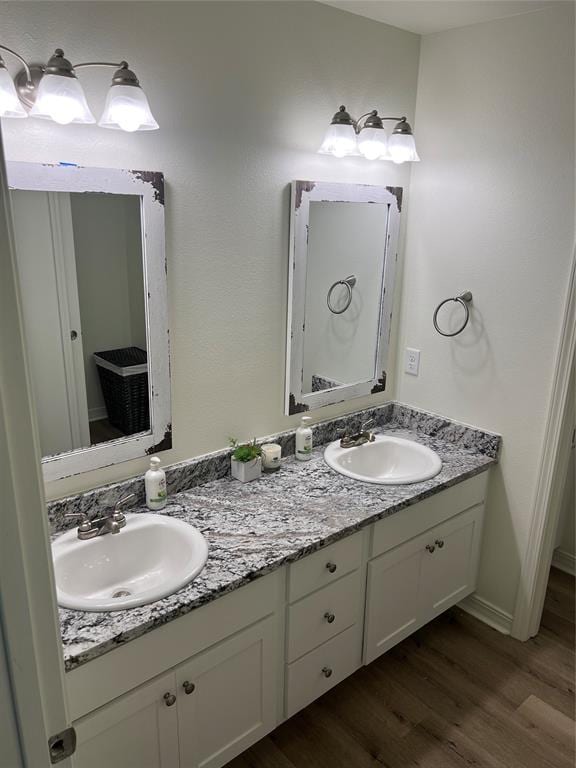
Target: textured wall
<point>243,92</point>
<point>492,211</point>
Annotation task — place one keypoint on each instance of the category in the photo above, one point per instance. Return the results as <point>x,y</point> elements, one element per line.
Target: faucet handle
<point>122,501</point>
<point>85,525</point>
<point>369,423</point>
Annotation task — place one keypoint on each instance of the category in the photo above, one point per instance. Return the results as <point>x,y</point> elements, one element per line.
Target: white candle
<point>271,453</point>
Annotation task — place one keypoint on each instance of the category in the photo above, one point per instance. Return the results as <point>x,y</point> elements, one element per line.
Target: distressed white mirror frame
<point>149,186</point>
<point>304,193</point>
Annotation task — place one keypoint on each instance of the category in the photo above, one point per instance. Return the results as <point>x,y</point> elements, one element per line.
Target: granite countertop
<point>254,528</point>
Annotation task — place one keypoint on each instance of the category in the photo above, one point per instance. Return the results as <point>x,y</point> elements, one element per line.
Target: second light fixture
<point>367,137</point>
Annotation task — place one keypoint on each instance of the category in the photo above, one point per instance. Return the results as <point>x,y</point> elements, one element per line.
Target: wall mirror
<point>91,266</point>
<point>343,241</point>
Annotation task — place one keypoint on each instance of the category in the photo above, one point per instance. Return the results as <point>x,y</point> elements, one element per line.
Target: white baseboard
<point>564,561</point>
<point>95,414</point>
<point>488,613</point>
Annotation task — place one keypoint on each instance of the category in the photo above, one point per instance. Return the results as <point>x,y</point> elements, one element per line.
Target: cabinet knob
<point>329,617</point>
<point>169,699</point>
<point>326,671</point>
<point>188,687</point>
<point>331,567</point>
<point>431,548</point>
<point>439,543</point>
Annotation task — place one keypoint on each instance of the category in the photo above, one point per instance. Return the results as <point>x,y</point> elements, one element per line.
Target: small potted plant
<point>246,464</point>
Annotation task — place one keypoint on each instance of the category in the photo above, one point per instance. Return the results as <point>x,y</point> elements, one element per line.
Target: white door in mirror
<point>152,557</point>
<point>388,460</point>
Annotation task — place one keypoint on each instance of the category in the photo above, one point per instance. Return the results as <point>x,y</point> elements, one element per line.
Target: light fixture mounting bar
<point>21,59</point>
<point>113,64</point>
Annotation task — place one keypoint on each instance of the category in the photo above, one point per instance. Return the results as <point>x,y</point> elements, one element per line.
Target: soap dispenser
<point>155,484</point>
<point>304,440</point>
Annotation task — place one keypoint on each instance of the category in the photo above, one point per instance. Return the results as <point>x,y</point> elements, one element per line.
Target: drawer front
<point>322,669</point>
<point>414,520</point>
<point>325,613</point>
<point>324,567</point>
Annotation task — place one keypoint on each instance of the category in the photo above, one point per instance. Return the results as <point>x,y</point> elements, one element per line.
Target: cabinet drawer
<point>325,613</point>
<point>322,669</point>
<point>417,519</point>
<point>324,566</point>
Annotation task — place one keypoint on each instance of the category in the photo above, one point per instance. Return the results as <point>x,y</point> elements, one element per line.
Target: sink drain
<point>122,593</point>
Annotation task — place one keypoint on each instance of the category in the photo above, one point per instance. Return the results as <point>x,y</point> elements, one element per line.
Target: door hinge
<point>62,745</point>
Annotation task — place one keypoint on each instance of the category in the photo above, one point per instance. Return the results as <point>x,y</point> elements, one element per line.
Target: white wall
<point>243,92</point>
<point>343,239</point>
<point>492,211</point>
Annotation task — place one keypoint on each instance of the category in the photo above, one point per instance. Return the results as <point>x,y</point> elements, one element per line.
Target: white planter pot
<point>246,471</point>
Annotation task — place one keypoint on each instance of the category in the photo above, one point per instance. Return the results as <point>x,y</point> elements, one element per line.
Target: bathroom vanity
<point>310,575</point>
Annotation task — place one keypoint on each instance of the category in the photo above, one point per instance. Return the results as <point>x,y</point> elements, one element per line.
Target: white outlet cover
<point>411,361</point>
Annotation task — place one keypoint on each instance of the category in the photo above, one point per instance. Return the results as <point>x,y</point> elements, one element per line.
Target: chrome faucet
<point>359,438</point>
<point>110,523</point>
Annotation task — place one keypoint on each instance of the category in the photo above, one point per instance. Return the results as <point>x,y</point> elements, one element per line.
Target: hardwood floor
<point>457,694</point>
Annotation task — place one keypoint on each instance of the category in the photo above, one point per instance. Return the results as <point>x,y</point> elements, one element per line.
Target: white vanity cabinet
<point>223,676</point>
<point>219,695</point>
<point>138,730</point>
<point>411,583</point>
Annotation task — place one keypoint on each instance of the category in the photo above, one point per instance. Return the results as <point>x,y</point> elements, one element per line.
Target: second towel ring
<point>349,282</point>
<point>464,299</point>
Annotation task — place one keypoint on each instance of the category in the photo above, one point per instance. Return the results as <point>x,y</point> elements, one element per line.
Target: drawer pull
<point>326,671</point>
<point>188,687</point>
<point>329,617</point>
<point>331,567</point>
<point>439,543</point>
<point>431,548</point>
<point>169,699</point>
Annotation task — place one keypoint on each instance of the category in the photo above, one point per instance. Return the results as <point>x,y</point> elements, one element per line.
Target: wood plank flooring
<point>456,695</point>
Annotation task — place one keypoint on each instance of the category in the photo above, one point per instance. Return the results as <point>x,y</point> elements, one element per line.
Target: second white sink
<point>388,460</point>
<point>152,557</point>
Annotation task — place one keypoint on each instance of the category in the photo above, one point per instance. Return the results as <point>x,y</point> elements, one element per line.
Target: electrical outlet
<point>411,361</point>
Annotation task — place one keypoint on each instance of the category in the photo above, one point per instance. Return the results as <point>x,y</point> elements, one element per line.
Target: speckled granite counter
<point>255,528</point>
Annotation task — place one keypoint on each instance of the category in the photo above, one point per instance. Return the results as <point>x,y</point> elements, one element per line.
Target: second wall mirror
<point>343,253</point>
<point>92,273</point>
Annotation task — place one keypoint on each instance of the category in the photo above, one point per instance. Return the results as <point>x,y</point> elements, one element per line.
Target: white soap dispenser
<point>304,440</point>
<point>155,484</point>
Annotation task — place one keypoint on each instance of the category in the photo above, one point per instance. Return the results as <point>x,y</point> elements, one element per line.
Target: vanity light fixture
<point>53,92</point>
<point>367,137</point>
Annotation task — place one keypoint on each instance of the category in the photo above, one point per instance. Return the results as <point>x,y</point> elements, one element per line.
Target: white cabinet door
<point>227,697</point>
<point>450,564</point>
<point>139,730</point>
<point>392,598</point>
<point>413,583</point>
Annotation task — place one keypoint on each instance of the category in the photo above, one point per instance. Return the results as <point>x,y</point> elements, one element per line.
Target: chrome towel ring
<point>349,282</point>
<point>464,299</point>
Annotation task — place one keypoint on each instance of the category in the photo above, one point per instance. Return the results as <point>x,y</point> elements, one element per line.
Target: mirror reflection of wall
<point>344,239</point>
<point>81,280</point>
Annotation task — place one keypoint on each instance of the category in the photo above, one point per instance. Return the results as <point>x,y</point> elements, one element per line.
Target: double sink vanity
<point>310,574</point>
<point>190,633</point>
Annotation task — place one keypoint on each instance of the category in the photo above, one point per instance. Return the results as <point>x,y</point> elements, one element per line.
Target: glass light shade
<point>402,148</point>
<point>61,99</point>
<point>372,143</point>
<point>127,109</point>
<point>9,102</point>
<point>340,140</point>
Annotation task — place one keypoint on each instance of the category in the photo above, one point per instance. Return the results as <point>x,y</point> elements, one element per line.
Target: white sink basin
<point>388,461</point>
<point>152,557</point>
